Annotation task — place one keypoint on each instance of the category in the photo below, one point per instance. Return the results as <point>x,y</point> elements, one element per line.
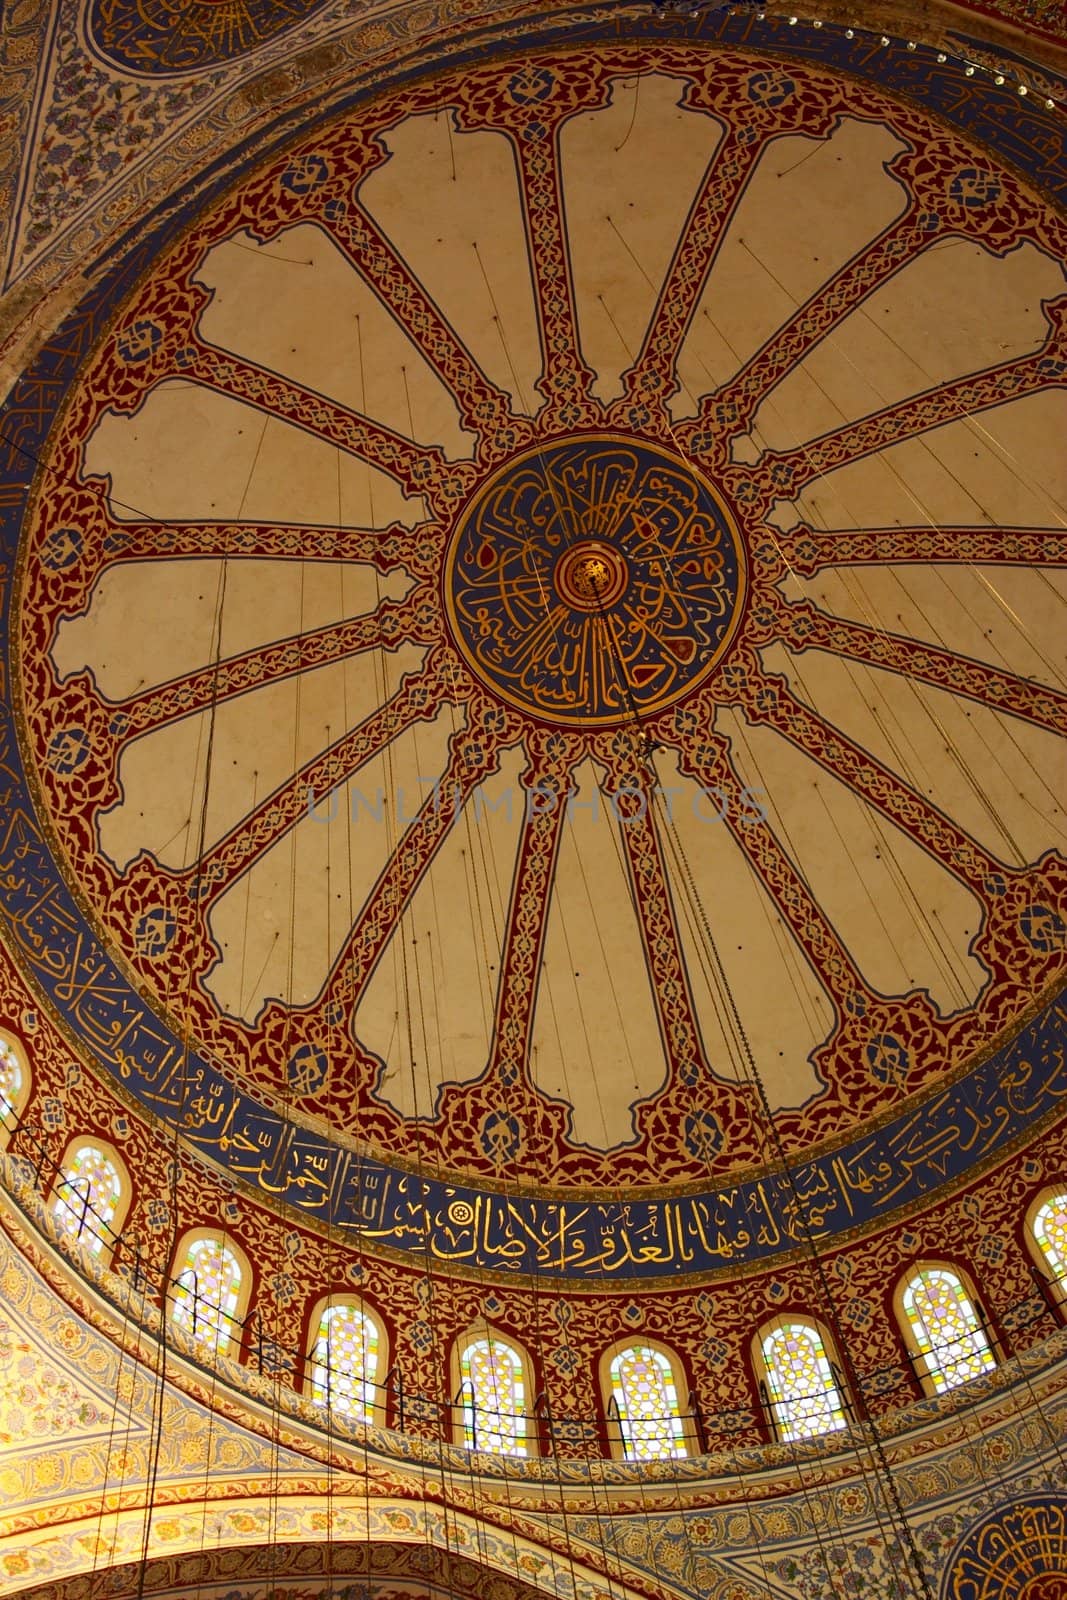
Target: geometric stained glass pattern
<point>946,1329</point>
<point>11,1080</point>
<point>87,1196</point>
<point>344,1361</point>
<point>805,1399</point>
<point>645,1392</point>
<point>1050,1231</point>
<point>493,1397</point>
<point>205,1293</point>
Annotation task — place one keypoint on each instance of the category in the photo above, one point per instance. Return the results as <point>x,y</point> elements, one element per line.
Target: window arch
<point>346,1358</point>
<point>1047,1236</point>
<point>91,1194</point>
<point>942,1325</point>
<point>492,1378</point>
<point>209,1290</point>
<point>14,1085</point>
<point>642,1390</point>
<point>803,1396</point>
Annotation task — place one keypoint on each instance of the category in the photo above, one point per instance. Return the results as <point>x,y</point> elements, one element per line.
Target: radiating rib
<point>653,373</point>
<point>416,550</point>
<point>412,620</point>
<point>565,378</point>
<point>804,627</point>
<point>419,469</point>
<point>80,539</point>
<point>805,550</point>
<point>482,405</point>
<point>418,699</point>
<point>657,923</point>
<point>545,799</point>
<point>767,698</point>
<point>475,756</point>
<point>815,936</point>
<point>782,474</point>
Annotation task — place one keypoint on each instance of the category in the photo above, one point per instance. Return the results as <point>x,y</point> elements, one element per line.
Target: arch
<point>492,1380</point>
<point>91,1195</point>
<point>804,1396</point>
<point>640,1383</point>
<point>14,1084</point>
<point>1046,1235</point>
<point>348,1354</point>
<point>943,1327</point>
<point>210,1286</point>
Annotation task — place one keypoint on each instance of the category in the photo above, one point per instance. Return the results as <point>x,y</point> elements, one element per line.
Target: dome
<point>534,759</point>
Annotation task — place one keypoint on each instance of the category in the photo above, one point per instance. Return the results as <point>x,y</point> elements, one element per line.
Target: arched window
<point>644,1399</point>
<point>91,1194</point>
<point>802,1393</point>
<point>941,1322</point>
<point>345,1359</point>
<point>493,1389</point>
<point>1048,1230</point>
<point>209,1290</point>
<point>14,1085</point>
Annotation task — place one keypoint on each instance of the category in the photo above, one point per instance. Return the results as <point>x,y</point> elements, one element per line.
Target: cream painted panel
<point>1005,466</point>
<point>162,774</point>
<point>621,229</point>
<point>149,622</point>
<point>809,206</point>
<point>267,306</point>
<point>951,311</point>
<point>282,925</point>
<point>596,1041</point>
<point>449,202</point>
<point>190,454</point>
<point>1014,618</point>
<point>1002,779</point>
<point>906,921</point>
<point>428,1008</point>
<point>754,943</point>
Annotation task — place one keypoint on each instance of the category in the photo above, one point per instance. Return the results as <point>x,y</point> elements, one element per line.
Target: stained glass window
<point>805,1400</point>
<point>11,1080</point>
<point>88,1191</point>
<point>1050,1231</point>
<point>946,1328</point>
<point>344,1361</point>
<point>493,1395</point>
<point>643,1386</point>
<point>206,1293</point>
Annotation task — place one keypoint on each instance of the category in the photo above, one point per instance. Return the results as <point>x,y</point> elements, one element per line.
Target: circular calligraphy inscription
<point>593,578</point>
<point>1018,1550</point>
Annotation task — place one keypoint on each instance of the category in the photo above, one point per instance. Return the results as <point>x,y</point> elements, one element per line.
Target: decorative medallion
<point>1017,1553</point>
<point>594,580</point>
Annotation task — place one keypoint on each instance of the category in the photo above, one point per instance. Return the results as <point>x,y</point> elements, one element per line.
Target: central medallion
<point>591,575</point>
<point>594,579</point>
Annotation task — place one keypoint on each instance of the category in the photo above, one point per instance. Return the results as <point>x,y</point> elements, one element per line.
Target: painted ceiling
<point>562,554</point>
<point>534,578</point>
